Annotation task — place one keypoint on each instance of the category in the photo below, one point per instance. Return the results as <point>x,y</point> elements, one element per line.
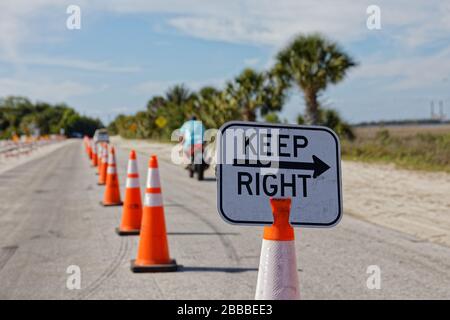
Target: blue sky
<point>127,51</point>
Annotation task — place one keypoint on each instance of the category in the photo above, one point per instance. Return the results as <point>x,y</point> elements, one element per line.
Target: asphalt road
<point>50,218</point>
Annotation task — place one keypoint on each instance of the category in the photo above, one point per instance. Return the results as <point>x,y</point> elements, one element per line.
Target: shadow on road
<point>217,269</point>
<point>209,179</point>
<point>203,233</point>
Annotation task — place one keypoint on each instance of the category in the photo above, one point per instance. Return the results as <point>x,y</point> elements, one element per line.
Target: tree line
<point>19,116</point>
<point>309,63</point>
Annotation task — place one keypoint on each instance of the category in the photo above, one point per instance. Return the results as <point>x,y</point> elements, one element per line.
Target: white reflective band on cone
<point>132,183</point>
<point>153,178</point>
<point>132,166</point>
<point>153,200</point>
<point>111,159</point>
<point>277,275</point>
<point>111,170</point>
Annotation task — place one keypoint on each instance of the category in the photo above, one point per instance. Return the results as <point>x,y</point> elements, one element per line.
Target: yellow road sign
<point>161,122</point>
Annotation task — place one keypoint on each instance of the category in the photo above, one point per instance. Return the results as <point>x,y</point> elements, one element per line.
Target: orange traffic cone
<point>90,149</point>
<point>85,143</point>
<point>103,166</point>
<point>112,192</point>
<point>153,251</point>
<point>99,157</point>
<point>277,275</point>
<point>94,154</point>
<point>132,207</point>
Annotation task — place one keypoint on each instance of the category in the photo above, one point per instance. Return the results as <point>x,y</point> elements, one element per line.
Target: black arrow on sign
<point>317,166</point>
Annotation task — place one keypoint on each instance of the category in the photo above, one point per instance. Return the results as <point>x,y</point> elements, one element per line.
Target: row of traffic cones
<point>277,274</point>
<point>147,221</point>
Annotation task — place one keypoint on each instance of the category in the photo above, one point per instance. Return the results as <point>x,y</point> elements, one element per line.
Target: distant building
<point>441,116</point>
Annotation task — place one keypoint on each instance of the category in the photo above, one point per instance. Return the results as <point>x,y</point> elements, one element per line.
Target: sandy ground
<point>413,202</point>
<point>10,163</point>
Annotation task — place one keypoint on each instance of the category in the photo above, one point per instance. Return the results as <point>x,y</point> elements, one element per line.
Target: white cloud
<point>251,61</point>
<point>225,29</point>
<point>260,22</point>
<point>15,18</point>
<point>271,23</point>
<point>44,89</point>
<point>409,29</point>
<point>87,65</point>
<point>263,22</point>
<point>408,72</point>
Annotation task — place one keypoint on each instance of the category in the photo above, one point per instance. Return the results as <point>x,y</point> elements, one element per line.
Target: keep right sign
<point>257,161</point>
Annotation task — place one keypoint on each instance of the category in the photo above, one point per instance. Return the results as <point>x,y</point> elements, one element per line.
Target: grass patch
<point>422,151</point>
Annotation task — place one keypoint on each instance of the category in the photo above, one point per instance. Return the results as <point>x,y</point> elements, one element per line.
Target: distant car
<point>76,135</point>
<point>101,135</point>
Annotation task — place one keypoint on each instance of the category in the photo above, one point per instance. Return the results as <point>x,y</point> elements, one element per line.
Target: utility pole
<point>432,109</point>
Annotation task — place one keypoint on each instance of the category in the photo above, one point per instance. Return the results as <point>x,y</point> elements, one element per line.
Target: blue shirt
<point>192,131</point>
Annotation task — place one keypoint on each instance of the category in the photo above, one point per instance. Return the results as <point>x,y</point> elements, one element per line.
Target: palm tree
<point>274,91</point>
<point>253,91</point>
<point>179,103</point>
<point>205,106</point>
<point>178,94</point>
<point>313,62</point>
<point>246,93</point>
<point>155,104</point>
<point>212,107</point>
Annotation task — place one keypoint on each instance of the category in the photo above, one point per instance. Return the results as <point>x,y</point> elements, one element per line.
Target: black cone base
<point>127,232</point>
<point>111,204</point>
<point>169,267</point>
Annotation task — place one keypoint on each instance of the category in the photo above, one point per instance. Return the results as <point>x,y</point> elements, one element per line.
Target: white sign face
<point>257,161</point>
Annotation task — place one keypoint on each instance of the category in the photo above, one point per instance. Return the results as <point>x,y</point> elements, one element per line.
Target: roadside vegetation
<point>415,148</point>
<point>19,116</point>
<point>309,63</point>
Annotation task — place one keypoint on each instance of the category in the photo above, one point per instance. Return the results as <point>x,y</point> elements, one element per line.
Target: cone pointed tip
<point>153,163</point>
<point>132,154</point>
